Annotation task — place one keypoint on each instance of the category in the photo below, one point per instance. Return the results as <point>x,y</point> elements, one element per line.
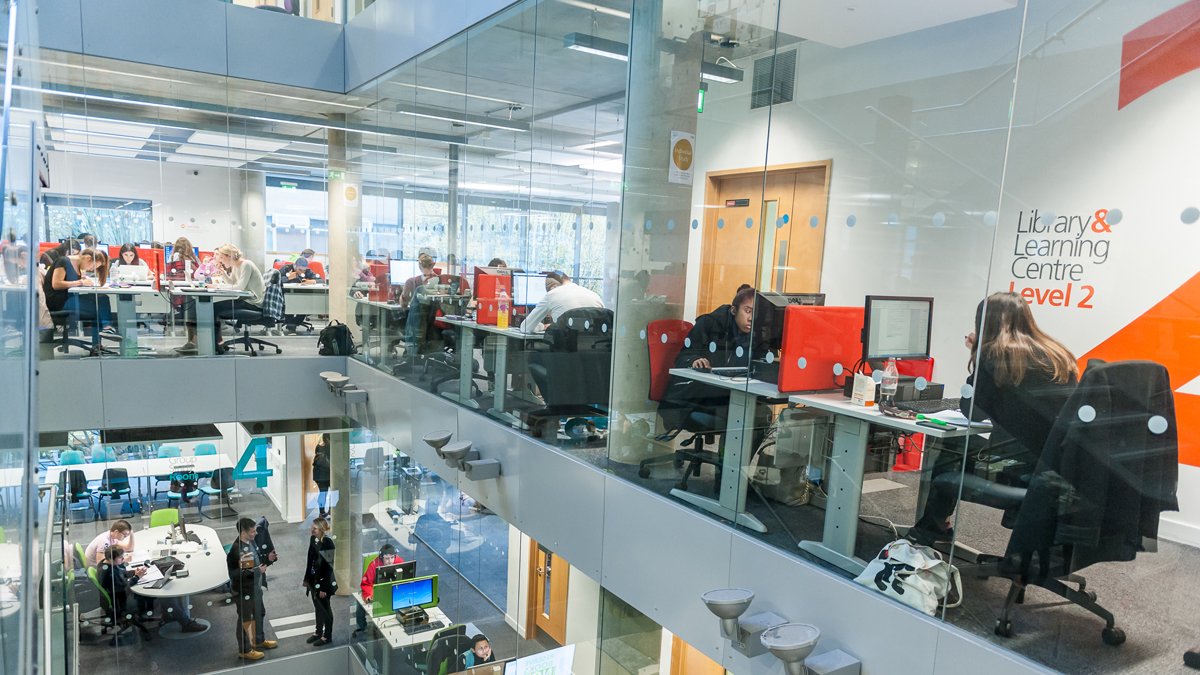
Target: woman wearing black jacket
<point>320,582</point>
<point>320,475</point>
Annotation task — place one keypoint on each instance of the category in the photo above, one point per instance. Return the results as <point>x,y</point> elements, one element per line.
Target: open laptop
<point>131,274</point>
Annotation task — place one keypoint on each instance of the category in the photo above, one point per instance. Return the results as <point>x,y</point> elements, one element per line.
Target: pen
<point>931,420</point>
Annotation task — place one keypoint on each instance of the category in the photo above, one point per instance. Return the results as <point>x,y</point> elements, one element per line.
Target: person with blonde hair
<point>235,270</point>
<point>319,581</point>
<point>1020,379</point>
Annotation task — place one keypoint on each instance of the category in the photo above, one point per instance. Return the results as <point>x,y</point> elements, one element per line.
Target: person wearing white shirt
<point>562,295</point>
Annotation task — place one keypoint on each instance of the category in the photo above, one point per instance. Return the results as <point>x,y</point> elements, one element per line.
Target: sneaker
<point>252,655</point>
<point>187,348</point>
<point>267,644</point>
<point>194,627</point>
<point>322,642</point>
<point>312,638</point>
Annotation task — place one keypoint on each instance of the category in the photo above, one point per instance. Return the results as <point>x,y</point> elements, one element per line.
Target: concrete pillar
<point>345,215</point>
<point>252,216</point>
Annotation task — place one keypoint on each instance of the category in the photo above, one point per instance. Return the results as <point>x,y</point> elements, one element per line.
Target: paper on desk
<point>152,574</point>
<point>956,418</point>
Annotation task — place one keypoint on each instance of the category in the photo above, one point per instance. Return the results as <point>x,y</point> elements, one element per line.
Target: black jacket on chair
<point>1100,485</point>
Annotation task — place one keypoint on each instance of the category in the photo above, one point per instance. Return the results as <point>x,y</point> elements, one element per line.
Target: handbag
<point>915,575</point>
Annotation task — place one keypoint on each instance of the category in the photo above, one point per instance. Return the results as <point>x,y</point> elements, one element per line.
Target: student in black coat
<point>247,563</point>
<point>115,578</point>
<point>320,475</point>
<point>319,581</point>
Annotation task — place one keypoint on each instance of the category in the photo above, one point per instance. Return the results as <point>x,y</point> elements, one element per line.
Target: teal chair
<point>202,450</point>
<point>71,457</point>
<point>165,451</point>
<point>102,455</point>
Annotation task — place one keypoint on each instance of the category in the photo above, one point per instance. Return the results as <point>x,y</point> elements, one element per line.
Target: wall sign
<point>683,155</point>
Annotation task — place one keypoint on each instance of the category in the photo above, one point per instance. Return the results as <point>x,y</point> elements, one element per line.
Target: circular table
<point>204,562</point>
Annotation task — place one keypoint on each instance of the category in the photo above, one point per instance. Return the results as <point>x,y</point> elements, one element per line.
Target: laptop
<point>131,274</point>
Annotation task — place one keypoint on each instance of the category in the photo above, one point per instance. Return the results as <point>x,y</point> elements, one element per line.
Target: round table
<point>204,562</point>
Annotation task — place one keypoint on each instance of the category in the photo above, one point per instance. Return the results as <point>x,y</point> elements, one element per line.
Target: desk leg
<point>845,494</point>
<point>733,478</point>
<point>127,320</point>
<point>205,326</point>
<point>500,386</point>
<point>466,367</point>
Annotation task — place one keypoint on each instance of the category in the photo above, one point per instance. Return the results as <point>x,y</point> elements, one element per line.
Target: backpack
<point>335,340</point>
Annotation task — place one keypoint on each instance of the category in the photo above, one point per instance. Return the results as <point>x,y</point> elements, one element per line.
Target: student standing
<point>246,569</point>
<point>320,475</point>
<point>319,581</point>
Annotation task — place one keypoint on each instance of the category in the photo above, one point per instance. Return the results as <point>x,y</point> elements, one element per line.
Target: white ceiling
<point>845,23</point>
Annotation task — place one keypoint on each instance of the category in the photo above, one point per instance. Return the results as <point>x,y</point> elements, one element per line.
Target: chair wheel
<point>1113,636</point>
<point>278,350</point>
<point>1091,595</point>
<point>1003,628</point>
<point>644,472</point>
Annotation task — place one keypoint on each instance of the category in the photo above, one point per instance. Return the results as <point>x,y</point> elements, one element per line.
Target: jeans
<point>257,617</point>
<point>324,614</point>
<point>176,609</point>
<point>91,309</point>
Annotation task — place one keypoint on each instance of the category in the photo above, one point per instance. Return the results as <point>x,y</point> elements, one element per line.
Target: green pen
<point>931,420</point>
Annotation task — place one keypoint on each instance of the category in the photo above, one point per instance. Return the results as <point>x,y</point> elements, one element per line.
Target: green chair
<point>105,598</point>
<point>390,492</point>
<point>80,556</point>
<point>3,537</point>
<point>368,558</point>
<point>160,517</point>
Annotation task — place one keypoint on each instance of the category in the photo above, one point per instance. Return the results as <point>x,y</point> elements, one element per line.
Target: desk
<point>368,321</point>
<point>126,310</point>
<point>206,566</point>
<point>466,365</point>
<point>743,400</point>
<point>205,323</point>
<point>10,573</point>
<point>844,485</point>
<point>306,299</point>
<point>403,530</point>
<point>139,468</point>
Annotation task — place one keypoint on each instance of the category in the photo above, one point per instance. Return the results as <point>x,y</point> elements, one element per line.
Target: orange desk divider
<point>815,339</point>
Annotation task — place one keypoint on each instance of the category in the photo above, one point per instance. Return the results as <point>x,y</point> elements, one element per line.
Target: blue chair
<point>72,457</point>
<point>204,449</point>
<point>165,451</point>
<point>102,455</point>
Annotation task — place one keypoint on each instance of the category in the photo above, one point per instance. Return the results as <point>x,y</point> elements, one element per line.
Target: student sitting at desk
<point>120,533</point>
<point>114,578</point>
<point>721,338</point>
<point>387,556</point>
<point>67,272</point>
<point>425,264</point>
<point>1023,380</point>
<point>298,272</point>
<point>128,257</point>
<point>479,653</point>
<point>562,295</point>
<point>65,248</point>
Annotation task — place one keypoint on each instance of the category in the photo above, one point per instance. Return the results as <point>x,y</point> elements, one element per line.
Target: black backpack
<point>335,340</point>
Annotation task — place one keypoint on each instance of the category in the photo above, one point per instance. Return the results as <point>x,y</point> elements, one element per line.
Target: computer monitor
<point>398,572</point>
<point>422,592</point>
<point>769,312</point>
<point>896,327</point>
<point>528,289</point>
<point>400,271</point>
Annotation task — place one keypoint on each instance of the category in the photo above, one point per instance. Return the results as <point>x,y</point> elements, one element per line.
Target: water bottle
<point>502,309</point>
<point>890,382</point>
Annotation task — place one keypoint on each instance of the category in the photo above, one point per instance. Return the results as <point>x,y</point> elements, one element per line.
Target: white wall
<point>1072,153</point>
<point>184,204</point>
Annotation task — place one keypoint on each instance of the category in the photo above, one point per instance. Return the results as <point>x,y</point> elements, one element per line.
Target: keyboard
<point>421,628</point>
<point>733,371</point>
<point>934,405</point>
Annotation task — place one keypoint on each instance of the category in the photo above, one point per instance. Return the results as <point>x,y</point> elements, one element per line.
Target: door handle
<point>540,571</point>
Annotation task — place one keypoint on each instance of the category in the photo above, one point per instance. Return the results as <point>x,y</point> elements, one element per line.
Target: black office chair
<point>222,486</point>
<point>705,425</point>
<point>572,367</point>
<point>1096,492</point>
<point>271,313</point>
<point>114,484</point>
<point>65,320</point>
<point>75,487</point>
<point>445,649</point>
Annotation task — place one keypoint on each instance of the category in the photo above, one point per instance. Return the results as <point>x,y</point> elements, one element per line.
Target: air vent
<point>774,79</point>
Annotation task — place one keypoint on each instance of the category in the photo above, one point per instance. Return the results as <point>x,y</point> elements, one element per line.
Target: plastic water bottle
<point>502,309</point>
<point>890,382</point>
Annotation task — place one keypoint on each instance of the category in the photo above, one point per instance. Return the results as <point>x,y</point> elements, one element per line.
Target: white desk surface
<point>10,561</point>
<point>139,468</point>
<point>319,287</point>
<point>214,291</point>
<point>206,567</point>
<point>840,405</point>
<point>112,290</point>
<point>394,633</point>
<point>746,384</point>
<point>514,333</point>
<point>464,540</point>
<point>11,478</point>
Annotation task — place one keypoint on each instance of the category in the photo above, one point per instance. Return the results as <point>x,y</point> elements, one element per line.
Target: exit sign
<point>737,202</point>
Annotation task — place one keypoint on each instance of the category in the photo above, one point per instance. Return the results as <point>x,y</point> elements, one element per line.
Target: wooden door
<point>548,594</point>
<point>782,251</point>
<point>687,660</point>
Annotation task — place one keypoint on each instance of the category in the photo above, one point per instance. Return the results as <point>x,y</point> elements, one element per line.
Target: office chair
<point>572,367</point>
<point>221,485</point>
<point>114,484</point>
<point>272,313</point>
<point>160,517</point>
<point>204,450</point>
<point>127,622</point>
<point>183,491</point>
<point>65,319</point>
<point>102,455</point>
<point>1096,492</point>
<point>664,341</point>
<point>75,487</point>
<point>80,557</point>
<point>70,457</point>
<point>444,649</point>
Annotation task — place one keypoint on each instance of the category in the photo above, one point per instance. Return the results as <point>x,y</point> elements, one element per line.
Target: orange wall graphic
<point>1168,333</point>
<point>1159,51</point>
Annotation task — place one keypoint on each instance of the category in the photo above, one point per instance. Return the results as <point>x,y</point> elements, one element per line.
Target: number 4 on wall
<point>258,450</point>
